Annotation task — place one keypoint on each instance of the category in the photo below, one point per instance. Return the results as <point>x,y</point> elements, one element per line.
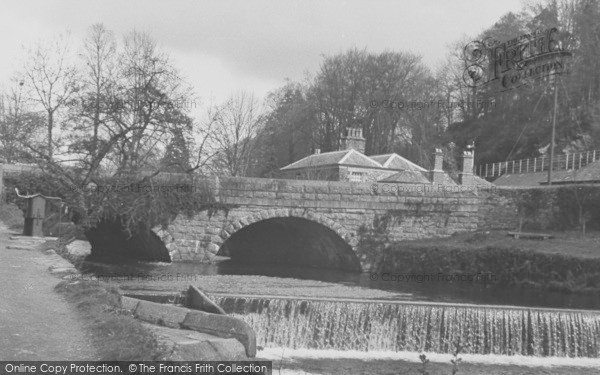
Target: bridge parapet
<point>334,194</point>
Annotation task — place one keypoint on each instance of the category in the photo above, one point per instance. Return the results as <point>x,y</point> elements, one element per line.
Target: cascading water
<point>384,326</point>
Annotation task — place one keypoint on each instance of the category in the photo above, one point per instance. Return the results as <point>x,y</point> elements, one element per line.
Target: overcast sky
<point>224,46</point>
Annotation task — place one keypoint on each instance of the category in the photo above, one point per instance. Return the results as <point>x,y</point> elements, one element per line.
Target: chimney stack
<point>353,139</point>
<point>466,174</point>
<point>437,174</point>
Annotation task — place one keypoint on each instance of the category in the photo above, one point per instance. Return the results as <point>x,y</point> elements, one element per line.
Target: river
<point>308,322</point>
<point>260,279</point>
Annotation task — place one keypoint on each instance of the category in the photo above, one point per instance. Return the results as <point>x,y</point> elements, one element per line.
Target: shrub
<point>12,216</point>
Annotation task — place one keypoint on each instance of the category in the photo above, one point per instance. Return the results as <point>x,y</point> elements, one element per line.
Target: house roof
<point>588,174</point>
<point>408,177</point>
<point>524,179</point>
<point>395,161</point>
<point>422,177</point>
<point>344,157</point>
<point>408,172</point>
<point>446,179</point>
<point>476,180</point>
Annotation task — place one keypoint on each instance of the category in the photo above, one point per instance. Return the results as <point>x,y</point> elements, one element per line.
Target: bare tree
<point>201,153</point>
<point>51,82</point>
<point>121,113</point>
<point>100,49</point>
<point>237,122</point>
<point>17,125</point>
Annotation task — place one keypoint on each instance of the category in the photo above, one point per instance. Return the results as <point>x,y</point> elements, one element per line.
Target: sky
<point>221,47</point>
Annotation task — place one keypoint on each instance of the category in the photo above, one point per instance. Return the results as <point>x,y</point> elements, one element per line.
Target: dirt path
<point>35,322</point>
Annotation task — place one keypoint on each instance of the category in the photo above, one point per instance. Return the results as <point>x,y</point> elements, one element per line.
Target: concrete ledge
<point>198,300</point>
<point>223,326</point>
<point>188,345</point>
<point>158,313</point>
<point>128,303</point>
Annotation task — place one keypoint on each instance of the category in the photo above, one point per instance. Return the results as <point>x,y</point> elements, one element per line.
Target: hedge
<point>559,208</point>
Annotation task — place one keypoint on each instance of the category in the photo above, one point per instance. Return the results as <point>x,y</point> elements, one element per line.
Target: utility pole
<point>553,133</point>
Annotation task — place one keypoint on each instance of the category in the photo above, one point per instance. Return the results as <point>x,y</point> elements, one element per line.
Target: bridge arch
<point>236,224</point>
<point>293,236</point>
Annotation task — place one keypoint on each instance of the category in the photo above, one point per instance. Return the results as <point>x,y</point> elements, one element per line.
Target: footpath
<point>36,323</point>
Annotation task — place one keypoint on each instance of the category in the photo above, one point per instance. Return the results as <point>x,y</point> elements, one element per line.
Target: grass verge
<point>11,216</point>
<point>117,335</point>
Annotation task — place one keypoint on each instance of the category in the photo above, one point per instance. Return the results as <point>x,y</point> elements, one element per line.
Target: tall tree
<point>288,132</point>
<point>177,153</point>
<point>237,122</point>
<point>147,88</point>
<point>121,117</point>
<point>52,82</point>
<point>17,125</point>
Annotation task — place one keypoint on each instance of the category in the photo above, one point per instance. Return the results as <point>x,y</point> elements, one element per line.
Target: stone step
<point>17,247</point>
<point>31,238</point>
<point>26,243</point>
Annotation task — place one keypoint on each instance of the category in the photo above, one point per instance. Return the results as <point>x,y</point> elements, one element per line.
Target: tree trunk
<point>50,126</point>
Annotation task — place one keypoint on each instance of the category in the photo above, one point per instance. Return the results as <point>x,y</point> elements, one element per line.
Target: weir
<point>414,326</point>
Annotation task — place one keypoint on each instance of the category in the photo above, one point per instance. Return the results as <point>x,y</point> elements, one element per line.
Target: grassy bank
<point>116,334</point>
<point>548,265</point>
<point>11,216</point>
<point>563,243</point>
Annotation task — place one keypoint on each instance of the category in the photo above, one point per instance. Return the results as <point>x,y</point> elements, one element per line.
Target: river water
<point>264,279</point>
<point>312,321</point>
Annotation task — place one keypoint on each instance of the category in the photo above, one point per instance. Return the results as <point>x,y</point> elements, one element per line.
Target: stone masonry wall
<point>498,210</point>
<point>341,206</point>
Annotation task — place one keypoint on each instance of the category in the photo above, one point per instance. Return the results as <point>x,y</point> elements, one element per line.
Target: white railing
<point>541,164</point>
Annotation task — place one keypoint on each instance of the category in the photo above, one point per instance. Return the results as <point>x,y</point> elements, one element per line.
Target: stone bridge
<point>317,223</point>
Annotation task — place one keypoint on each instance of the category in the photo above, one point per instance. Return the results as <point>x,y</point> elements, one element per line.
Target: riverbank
<point>117,335</point>
<point>127,331</point>
<point>564,264</point>
<point>562,243</point>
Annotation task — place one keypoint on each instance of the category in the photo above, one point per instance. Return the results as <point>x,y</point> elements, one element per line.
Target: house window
<point>356,176</point>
